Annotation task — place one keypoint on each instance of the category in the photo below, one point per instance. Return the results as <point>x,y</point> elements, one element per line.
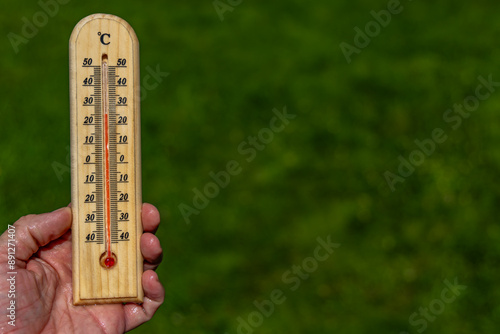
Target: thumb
<point>35,231</point>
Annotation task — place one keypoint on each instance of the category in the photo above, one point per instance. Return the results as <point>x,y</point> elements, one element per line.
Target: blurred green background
<point>323,175</point>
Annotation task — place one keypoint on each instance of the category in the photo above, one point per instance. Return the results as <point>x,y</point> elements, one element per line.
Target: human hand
<point>44,293</point>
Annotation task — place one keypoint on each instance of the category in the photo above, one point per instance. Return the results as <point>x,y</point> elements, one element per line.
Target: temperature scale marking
<point>105,161</point>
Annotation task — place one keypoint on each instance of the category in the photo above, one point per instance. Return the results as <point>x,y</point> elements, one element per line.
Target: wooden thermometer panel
<point>105,161</point>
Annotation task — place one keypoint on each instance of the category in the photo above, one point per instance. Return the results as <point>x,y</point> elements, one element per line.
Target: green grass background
<point>322,175</point>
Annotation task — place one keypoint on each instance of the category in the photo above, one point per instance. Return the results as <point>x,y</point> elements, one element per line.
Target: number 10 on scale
<point>105,161</point>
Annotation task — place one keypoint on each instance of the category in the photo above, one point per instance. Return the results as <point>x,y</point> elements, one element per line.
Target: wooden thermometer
<point>105,161</point>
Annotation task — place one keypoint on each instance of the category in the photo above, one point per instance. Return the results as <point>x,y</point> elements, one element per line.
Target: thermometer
<point>105,161</point>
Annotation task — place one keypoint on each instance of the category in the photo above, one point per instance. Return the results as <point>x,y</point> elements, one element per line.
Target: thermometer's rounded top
<point>104,17</point>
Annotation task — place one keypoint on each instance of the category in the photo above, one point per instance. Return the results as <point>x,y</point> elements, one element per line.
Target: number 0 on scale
<point>105,161</point>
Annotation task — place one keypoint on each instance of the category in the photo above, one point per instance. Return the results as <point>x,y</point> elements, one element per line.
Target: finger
<point>151,251</point>
<point>154,294</point>
<point>35,231</point>
<point>150,218</point>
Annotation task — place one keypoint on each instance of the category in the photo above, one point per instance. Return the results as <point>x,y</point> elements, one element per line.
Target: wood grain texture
<point>92,38</point>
